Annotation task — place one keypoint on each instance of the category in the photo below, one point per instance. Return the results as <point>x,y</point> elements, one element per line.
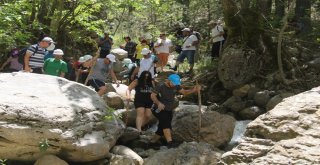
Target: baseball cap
<point>111,57</point>
<point>145,51</point>
<point>175,79</point>
<point>85,58</point>
<point>186,30</point>
<point>58,52</point>
<point>126,62</point>
<point>47,39</point>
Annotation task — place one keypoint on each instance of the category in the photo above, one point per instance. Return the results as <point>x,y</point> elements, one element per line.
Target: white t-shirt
<point>215,31</point>
<point>165,47</point>
<point>146,64</point>
<point>188,42</point>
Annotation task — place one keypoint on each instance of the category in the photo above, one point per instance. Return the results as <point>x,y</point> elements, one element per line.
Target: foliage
<point>3,161</point>
<point>44,145</point>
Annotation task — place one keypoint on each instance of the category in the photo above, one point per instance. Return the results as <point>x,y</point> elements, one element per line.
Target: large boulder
<point>50,160</point>
<point>69,115</point>
<point>237,66</point>
<point>128,153</point>
<point>119,53</point>
<point>288,134</point>
<point>214,130</point>
<point>188,153</point>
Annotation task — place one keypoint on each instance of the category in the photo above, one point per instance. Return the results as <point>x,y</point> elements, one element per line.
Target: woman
<point>15,66</point>
<point>142,100</point>
<point>143,44</point>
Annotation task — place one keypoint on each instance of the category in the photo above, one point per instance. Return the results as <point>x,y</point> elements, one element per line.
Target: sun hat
<point>111,57</point>
<point>175,79</point>
<point>85,58</point>
<point>145,51</point>
<point>186,30</point>
<point>126,62</point>
<point>48,39</point>
<point>58,52</point>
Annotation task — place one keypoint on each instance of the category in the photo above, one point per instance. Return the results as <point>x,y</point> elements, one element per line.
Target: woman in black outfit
<point>142,100</point>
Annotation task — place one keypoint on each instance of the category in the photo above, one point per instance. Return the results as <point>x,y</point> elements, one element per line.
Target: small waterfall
<point>238,133</point>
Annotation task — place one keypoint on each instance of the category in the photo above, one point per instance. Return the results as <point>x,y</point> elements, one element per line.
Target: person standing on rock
<point>163,98</point>
<point>217,38</point>
<point>146,64</point>
<point>55,66</point>
<point>101,72</point>
<point>142,100</point>
<point>163,47</point>
<point>105,43</point>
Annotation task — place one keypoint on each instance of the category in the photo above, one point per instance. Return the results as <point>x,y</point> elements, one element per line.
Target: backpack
<point>23,52</point>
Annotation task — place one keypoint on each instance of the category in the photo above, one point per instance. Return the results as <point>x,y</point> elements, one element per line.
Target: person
<point>101,72</point>
<point>105,43</point>
<point>142,100</point>
<point>146,64</point>
<point>128,67</point>
<point>138,56</point>
<point>49,52</point>
<point>15,66</point>
<point>71,65</point>
<point>198,35</point>
<point>130,47</point>
<point>83,68</point>
<point>188,49</point>
<point>163,47</point>
<point>217,38</point>
<point>34,57</point>
<point>163,97</point>
<point>56,66</point>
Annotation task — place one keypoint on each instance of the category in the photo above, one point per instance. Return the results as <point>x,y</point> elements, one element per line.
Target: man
<point>101,72</point>
<point>163,97</point>
<point>55,66</point>
<point>105,43</point>
<point>128,68</point>
<point>217,38</point>
<point>198,35</point>
<point>163,47</point>
<point>146,64</point>
<point>130,47</point>
<point>34,57</point>
<point>188,49</point>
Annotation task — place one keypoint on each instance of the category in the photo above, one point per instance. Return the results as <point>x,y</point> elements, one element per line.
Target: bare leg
<point>147,116</point>
<point>167,134</point>
<point>140,118</point>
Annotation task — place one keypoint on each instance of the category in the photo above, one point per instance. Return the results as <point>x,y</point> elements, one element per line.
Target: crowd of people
<point>139,68</point>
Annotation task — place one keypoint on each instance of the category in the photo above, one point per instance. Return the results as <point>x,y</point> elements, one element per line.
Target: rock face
<point>69,115</point>
<point>128,153</point>
<point>187,153</point>
<point>50,160</point>
<point>214,129</point>
<point>288,134</point>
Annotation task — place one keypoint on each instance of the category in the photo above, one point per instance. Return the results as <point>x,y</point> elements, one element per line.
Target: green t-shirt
<point>54,67</point>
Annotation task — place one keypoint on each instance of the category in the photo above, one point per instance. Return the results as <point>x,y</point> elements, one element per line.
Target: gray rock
<point>50,160</point>
<point>237,66</point>
<point>129,135</point>
<point>69,115</point>
<point>187,154</point>
<point>261,98</point>
<point>287,134</point>
<point>277,99</point>
<point>234,103</point>
<point>119,53</point>
<point>242,91</point>
<point>251,113</point>
<point>128,153</point>
<point>213,128</point>
<point>113,100</point>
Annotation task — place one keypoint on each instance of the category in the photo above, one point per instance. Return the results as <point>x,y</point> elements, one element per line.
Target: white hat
<point>85,58</point>
<point>47,39</point>
<point>126,62</point>
<point>145,51</point>
<point>51,47</point>
<point>186,30</point>
<point>58,52</point>
<point>111,57</point>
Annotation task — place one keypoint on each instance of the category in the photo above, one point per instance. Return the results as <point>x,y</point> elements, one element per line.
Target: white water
<point>238,131</point>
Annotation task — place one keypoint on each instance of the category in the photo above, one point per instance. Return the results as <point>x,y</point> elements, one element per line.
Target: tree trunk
<point>265,7</point>
<point>303,14</point>
<point>279,9</point>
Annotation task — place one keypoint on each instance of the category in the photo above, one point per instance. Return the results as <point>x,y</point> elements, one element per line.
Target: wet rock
<point>251,113</point>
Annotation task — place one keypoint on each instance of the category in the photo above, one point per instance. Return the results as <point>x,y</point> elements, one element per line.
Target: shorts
<point>165,119</point>
<point>144,104</point>
<point>189,54</point>
<point>96,84</point>
<point>163,57</point>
